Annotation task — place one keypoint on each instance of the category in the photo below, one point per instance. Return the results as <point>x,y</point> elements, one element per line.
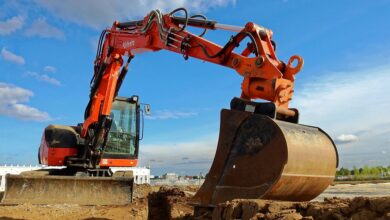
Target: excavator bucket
<point>37,187</point>
<point>260,157</point>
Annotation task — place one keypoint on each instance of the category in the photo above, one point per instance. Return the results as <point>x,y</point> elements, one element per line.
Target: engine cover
<point>58,142</point>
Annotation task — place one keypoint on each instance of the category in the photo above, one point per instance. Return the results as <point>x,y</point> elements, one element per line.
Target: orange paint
<point>118,162</point>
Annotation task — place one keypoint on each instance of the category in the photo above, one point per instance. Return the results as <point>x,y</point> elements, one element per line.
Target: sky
<point>47,50</point>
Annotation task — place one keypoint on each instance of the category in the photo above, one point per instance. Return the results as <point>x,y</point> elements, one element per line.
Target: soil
<point>354,182</point>
<point>152,202</point>
<point>158,202</point>
<point>136,210</point>
<point>169,203</point>
<point>359,208</point>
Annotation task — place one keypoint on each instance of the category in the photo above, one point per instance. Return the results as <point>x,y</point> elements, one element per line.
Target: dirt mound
<point>189,188</point>
<point>335,208</point>
<point>142,190</point>
<point>169,203</point>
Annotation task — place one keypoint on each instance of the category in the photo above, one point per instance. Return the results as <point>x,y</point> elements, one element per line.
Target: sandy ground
<point>172,203</point>
<point>354,190</point>
<point>144,204</point>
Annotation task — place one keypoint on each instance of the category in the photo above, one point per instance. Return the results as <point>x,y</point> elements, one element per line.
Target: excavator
<point>262,152</point>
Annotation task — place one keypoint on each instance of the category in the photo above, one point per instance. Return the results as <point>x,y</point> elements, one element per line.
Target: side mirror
<point>147,109</point>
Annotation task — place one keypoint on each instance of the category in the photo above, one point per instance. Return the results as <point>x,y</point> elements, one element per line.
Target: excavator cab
<point>123,138</point>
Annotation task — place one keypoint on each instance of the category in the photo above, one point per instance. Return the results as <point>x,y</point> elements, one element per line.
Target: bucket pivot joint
<point>265,108</point>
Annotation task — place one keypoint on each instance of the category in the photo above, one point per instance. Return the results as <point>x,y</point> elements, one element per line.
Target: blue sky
<point>48,48</point>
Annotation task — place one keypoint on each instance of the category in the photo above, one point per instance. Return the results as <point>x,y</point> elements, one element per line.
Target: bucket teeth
<point>259,157</point>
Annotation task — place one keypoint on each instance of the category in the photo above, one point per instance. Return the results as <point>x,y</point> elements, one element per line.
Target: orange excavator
<point>262,151</point>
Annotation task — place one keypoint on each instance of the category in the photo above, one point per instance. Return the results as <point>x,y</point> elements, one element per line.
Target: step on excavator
<point>262,151</point>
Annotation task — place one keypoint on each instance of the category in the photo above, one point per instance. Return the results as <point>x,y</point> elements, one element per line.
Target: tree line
<point>366,172</point>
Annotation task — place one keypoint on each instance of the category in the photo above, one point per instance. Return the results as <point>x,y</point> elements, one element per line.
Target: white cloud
<point>11,25</point>
<point>345,101</point>
<point>189,156</point>
<point>11,57</point>
<point>42,29</point>
<point>100,13</point>
<point>346,138</point>
<point>50,69</point>
<point>166,114</point>
<point>43,78</point>
<point>11,98</point>
<point>350,102</point>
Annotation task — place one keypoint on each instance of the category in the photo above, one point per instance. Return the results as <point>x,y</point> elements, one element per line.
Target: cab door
<point>122,145</point>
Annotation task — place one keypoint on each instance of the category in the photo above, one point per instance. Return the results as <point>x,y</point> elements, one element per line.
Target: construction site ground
<point>341,201</point>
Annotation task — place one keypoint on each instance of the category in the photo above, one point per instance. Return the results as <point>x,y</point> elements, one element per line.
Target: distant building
<point>186,177</point>
<point>170,176</point>
<point>141,174</point>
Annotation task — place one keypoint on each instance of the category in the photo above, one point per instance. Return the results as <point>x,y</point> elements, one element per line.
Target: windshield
<point>122,135</point>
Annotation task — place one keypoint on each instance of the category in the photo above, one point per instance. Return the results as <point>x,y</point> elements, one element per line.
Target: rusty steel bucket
<point>259,157</point>
<point>36,188</point>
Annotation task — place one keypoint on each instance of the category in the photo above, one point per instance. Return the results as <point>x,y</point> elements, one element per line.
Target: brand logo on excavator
<point>128,44</point>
